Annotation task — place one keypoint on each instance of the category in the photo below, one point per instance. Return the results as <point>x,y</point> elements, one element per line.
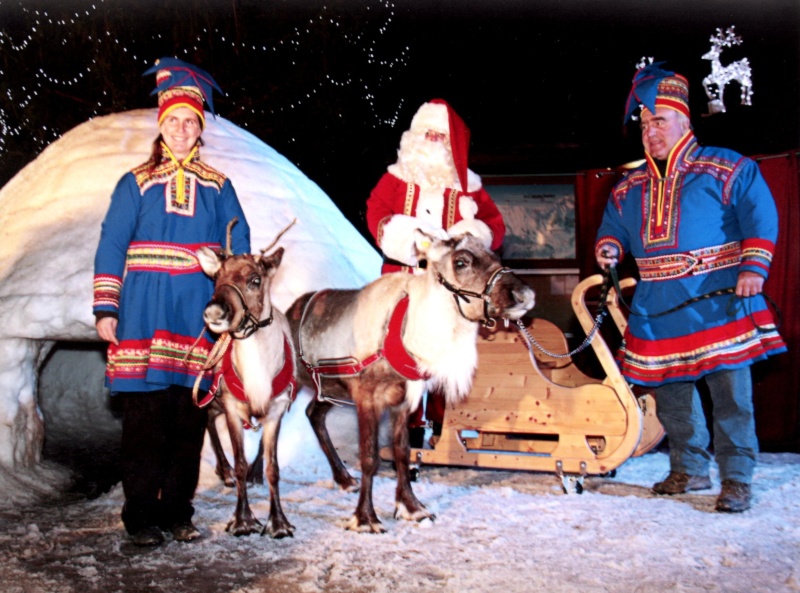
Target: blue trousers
<point>680,411</point>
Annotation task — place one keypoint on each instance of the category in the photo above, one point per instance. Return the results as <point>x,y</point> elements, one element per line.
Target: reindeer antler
<point>283,232</point>
<point>228,250</point>
<point>728,38</point>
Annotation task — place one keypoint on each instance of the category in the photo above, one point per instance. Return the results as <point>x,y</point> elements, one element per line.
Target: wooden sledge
<point>542,413</point>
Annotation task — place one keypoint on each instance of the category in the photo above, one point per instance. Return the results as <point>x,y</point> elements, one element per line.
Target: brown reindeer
<point>379,349</point>
<point>255,378</point>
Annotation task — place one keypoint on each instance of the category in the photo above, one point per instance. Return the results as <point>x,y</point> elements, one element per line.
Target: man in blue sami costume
<point>149,296</point>
<point>697,220</point>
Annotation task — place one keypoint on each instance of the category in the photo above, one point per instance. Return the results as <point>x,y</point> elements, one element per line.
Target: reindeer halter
<point>460,293</point>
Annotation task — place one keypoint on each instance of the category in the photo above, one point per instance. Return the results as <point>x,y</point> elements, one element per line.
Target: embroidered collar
<point>676,156</point>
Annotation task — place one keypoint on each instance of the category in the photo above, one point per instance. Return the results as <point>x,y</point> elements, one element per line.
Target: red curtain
<point>776,382</point>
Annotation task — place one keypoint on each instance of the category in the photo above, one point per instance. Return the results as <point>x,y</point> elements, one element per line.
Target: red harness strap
<point>393,351</point>
<point>280,382</point>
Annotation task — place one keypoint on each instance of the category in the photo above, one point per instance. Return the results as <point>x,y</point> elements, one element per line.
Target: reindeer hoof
<point>226,477</point>
<point>278,527</point>
<point>348,484</point>
<point>401,511</point>
<point>354,524</point>
<point>241,527</point>
<point>278,532</point>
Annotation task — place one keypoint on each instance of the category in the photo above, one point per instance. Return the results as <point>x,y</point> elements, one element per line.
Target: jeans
<point>680,411</point>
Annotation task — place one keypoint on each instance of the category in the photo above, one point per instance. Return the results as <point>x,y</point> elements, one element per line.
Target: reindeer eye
<point>255,280</point>
<point>462,260</point>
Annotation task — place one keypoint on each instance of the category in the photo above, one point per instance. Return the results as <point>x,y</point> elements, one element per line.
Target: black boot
<point>416,437</point>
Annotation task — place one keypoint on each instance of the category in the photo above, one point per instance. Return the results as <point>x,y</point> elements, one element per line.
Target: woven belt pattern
<point>174,258</point>
<point>690,263</point>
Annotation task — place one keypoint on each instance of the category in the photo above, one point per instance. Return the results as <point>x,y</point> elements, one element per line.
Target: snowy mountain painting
<point>540,220</point>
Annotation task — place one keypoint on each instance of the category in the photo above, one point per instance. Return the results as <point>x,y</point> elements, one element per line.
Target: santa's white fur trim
<point>431,116</point>
<point>474,227</point>
<point>474,182</point>
<point>467,207</point>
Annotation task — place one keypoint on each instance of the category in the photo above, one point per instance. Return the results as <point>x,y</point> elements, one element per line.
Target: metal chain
<point>602,311</point>
<point>530,340</point>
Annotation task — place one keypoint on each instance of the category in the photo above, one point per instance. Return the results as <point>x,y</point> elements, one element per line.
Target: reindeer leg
<point>407,506</point>
<point>316,413</point>
<point>223,469</point>
<point>255,474</point>
<point>243,522</point>
<point>365,519</point>
<point>278,525</point>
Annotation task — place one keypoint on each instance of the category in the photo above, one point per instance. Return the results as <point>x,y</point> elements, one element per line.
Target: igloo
<point>50,216</point>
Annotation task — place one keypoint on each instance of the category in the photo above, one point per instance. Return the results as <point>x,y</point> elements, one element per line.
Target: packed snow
<point>515,532</point>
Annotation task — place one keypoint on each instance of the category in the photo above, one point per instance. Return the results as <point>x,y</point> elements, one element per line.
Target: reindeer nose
<point>525,295</point>
<point>216,313</point>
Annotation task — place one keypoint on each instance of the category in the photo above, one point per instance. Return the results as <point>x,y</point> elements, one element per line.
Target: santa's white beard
<point>426,163</point>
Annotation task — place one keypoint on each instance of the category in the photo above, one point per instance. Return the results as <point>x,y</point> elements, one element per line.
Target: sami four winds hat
<point>180,84</point>
<point>438,115</point>
<point>654,87</point>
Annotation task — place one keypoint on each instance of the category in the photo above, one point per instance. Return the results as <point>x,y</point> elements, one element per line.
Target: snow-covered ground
<point>495,531</point>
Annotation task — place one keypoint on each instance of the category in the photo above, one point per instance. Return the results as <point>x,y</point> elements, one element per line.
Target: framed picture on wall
<point>539,212</point>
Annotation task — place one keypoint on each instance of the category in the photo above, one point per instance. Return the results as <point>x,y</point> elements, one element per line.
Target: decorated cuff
<point>757,256</point>
<point>106,292</point>
<point>603,241</point>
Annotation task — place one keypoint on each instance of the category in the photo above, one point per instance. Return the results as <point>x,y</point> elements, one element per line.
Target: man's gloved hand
<point>607,256</point>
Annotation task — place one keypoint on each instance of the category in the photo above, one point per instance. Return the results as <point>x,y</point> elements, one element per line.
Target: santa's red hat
<point>437,115</point>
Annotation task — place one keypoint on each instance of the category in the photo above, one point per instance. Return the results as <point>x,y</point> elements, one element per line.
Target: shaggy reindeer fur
<point>257,358</point>
<point>336,324</point>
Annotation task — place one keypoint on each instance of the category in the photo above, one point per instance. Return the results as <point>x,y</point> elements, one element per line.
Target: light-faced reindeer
<point>739,71</point>
<point>379,346</point>
<point>253,370</point>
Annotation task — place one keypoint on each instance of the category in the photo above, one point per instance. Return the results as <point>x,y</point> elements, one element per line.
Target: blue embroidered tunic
<point>147,273</point>
<point>692,230</point>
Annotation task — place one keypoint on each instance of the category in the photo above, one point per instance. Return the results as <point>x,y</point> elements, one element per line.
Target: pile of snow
<point>50,215</point>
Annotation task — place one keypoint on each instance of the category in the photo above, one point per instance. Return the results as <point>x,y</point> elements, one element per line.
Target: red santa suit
<point>444,199</point>
<point>430,188</point>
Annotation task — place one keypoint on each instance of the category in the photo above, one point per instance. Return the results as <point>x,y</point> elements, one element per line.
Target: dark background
<point>332,85</point>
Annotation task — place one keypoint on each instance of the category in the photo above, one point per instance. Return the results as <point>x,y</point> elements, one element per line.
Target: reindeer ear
<point>272,261</point>
<point>209,260</point>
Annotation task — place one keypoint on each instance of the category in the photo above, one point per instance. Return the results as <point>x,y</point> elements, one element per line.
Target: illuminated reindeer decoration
<point>253,363</point>
<point>714,83</point>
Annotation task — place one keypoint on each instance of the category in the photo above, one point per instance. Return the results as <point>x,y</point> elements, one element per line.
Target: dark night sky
<point>541,83</point>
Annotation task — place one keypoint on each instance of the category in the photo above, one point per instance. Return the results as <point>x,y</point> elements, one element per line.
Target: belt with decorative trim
<point>174,258</point>
<point>690,263</point>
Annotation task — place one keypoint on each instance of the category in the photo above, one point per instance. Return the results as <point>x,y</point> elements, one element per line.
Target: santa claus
<point>430,188</point>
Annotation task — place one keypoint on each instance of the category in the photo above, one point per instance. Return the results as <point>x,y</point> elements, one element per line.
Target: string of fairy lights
<point>372,62</point>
